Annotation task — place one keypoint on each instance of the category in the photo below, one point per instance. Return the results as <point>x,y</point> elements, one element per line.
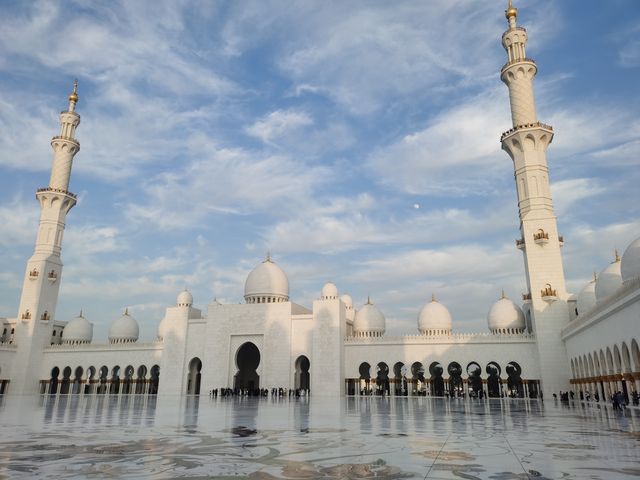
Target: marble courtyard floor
<point>347,438</point>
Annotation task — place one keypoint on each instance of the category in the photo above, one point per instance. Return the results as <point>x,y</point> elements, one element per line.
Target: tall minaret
<point>44,268</point>
<point>526,143</point>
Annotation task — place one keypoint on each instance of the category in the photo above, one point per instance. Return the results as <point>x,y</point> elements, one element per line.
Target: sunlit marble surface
<point>337,438</point>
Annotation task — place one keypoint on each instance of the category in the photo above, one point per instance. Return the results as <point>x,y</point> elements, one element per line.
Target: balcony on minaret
<point>53,276</point>
<point>33,274</point>
<point>45,316</point>
<point>520,244</point>
<point>561,240</point>
<point>541,237</point>
<point>549,294</point>
<point>526,297</point>
<point>26,315</point>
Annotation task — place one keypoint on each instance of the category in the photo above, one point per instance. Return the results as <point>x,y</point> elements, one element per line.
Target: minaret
<point>44,269</point>
<point>526,143</point>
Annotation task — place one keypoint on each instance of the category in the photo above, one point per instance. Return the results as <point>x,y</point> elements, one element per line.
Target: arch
<point>91,373</point>
<point>494,384</point>
<point>302,379</point>
<point>617,359</point>
<point>141,379</point>
<point>635,353</point>
<point>53,382</point>
<point>436,380</point>
<point>114,389</point>
<point>154,382</point>
<point>455,379</point>
<point>609,361</point>
<point>603,364</point>
<point>591,369</point>
<point>66,381</point>
<point>104,373</point>
<point>77,380</point>
<point>417,374</point>
<point>194,376</point>
<point>128,380</point>
<point>474,373</point>
<point>514,379</point>
<point>400,378</point>
<point>365,378</point>
<point>626,358</point>
<point>247,361</point>
<point>382,378</point>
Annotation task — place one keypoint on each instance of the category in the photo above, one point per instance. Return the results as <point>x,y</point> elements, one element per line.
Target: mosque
<point>552,341</point>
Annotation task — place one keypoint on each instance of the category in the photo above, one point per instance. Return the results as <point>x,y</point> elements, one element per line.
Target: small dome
<point>505,316</point>
<point>587,297</point>
<point>124,329</point>
<point>329,291</point>
<point>266,283</point>
<point>434,319</point>
<point>78,330</point>
<point>185,299</point>
<point>347,300</point>
<point>609,280</point>
<point>369,320</point>
<point>630,267</point>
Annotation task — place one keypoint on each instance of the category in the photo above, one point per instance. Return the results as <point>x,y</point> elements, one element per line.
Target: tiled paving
<point>346,438</point>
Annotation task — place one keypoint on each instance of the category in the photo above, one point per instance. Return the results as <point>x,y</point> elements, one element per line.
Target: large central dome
<point>266,283</point>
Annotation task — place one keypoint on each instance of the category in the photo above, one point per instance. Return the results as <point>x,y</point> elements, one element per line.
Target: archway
<point>91,372</point>
<point>493,381</point>
<point>474,371</point>
<point>514,379</point>
<point>115,381</point>
<point>247,361</point>
<point>77,381</point>
<point>455,379</point>
<point>53,382</point>
<point>128,380</point>
<point>193,377</point>
<point>102,387</point>
<point>417,372</point>
<point>141,381</point>
<point>302,380</point>
<point>66,380</point>
<point>365,378</point>
<point>437,382</point>
<point>382,379</point>
<point>400,377</point>
<point>155,380</point>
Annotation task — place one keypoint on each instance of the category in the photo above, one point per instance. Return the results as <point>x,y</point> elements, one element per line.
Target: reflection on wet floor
<point>271,438</point>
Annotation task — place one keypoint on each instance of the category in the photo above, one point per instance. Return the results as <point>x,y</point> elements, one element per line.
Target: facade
<point>554,342</point>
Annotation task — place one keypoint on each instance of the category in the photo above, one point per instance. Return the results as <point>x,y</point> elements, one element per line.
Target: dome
<point>78,330</point>
<point>266,283</point>
<point>347,300</point>
<point>162,328</point>
<point>587,297</point>
<point>329,291</point>
<point>434,319</point>
<point>630,265</point>
<point>369,321</point>
<point>185,299</point>
<point>124,329</point>
<point>609,280</point>
<point>505,317</point>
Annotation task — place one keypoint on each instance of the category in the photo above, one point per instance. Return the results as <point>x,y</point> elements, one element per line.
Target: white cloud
<point>279,123</point>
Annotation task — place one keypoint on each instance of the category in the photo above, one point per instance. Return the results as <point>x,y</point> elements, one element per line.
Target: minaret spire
<point>41,283</point>
<point>526,143</point>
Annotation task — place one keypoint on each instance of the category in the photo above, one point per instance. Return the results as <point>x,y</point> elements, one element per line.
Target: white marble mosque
<point>551,341</point>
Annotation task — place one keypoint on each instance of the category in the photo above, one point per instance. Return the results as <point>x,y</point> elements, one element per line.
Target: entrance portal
<point>247,361</point>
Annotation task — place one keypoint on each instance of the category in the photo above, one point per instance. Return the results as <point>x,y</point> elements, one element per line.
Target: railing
<point>68,139</point>
<point>548,292</point>
<point>418,338</point>
<point>521,29</point>
<point>57,190</point>
<point>526,296</point>
<point>52,275</point>
<point>541,235</point>
<point>26,315</point>
<point>519,242</point>
<point>45,316</point>
<point>518,60</point>
<point>523,126</point>
<point>34,273</point>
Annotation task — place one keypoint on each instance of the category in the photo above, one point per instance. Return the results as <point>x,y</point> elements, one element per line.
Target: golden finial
<point>126,311</point>
<point>617,256</point>
<point>74,95</point>
<point>503,296</point>
<point>268,257</point>
<point>80,314</point>
<point>433,297</point>
<point>511,11</point>
<point>595,277</point>
<point>369,300</point>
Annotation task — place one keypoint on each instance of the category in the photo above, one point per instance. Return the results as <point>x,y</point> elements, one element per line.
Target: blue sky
<point>214,131</point>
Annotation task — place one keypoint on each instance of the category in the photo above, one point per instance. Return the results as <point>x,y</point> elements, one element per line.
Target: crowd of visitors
<point>259,392</point>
